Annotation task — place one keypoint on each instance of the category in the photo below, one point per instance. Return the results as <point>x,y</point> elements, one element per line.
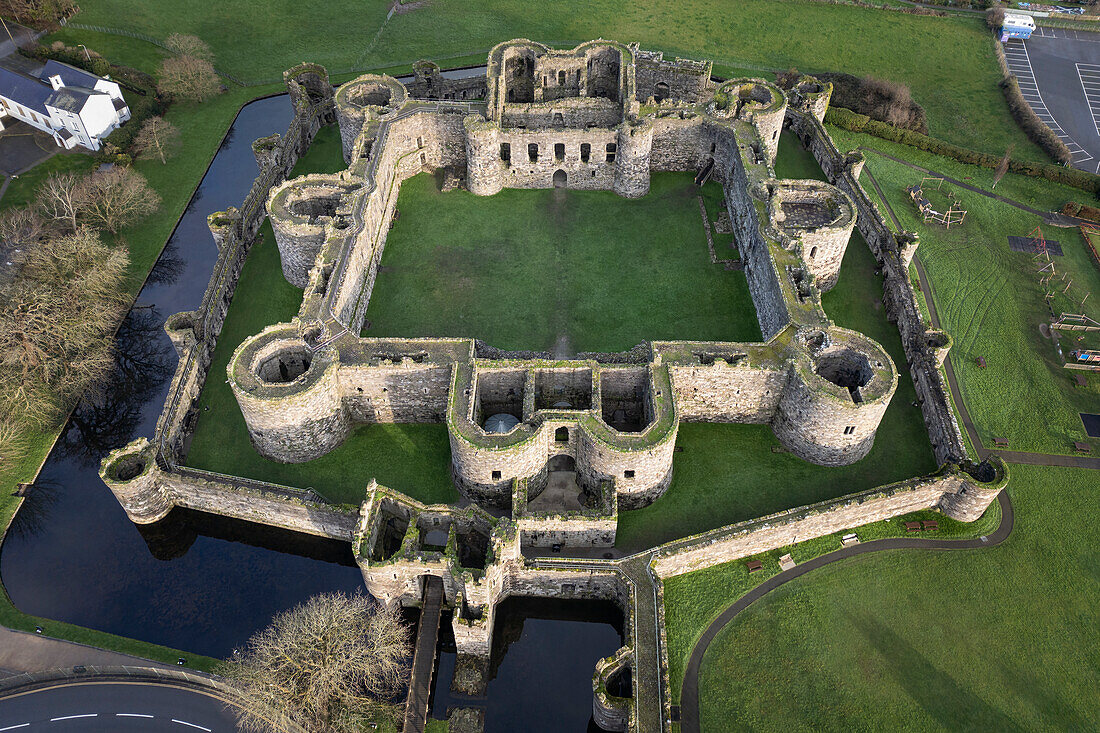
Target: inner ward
<point>559,270</point>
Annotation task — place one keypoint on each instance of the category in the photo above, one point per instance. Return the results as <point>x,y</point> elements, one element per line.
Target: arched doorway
<point>660,91</point>
<point>561,435</point>
<point>560,178</point>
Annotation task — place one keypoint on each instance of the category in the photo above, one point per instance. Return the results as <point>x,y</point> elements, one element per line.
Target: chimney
<point>55,82</point>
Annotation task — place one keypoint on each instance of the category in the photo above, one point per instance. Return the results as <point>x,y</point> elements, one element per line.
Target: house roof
<point>35,91</point>
<point>26,90</point>
<point>72,76</point>
<point>70,99</point>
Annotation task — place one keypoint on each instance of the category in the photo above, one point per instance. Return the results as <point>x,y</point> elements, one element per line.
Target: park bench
<point>849,539</point>
<point>1000,442</point>
<point>930,524</point>
<point>1082,447</point>
<point>786,562</point>
<point>754,565</point>
<point>912,526</point>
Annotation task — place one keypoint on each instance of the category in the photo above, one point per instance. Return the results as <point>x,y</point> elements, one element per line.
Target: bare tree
<point>187,45</point>
<point>117,197</point>
<point>56,325</point>
<point>20,226</point>
<point>995,16</point>
<point>185,77</point>
<point>60,198</point>
<point>157,138</point>
<point>1002,167</point>
<point>13,443</point>
<point>330,664</point>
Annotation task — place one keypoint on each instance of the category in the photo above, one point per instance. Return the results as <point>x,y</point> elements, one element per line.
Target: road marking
<point>1091,72</point>
<point>1019,63</point>
<point>132,715</point>
<point>13,727</point>
<point>184,722</point>
<point>71,717</point>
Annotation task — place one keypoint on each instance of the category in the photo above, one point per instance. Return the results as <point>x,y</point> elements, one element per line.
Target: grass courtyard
<point>989,300</point>
<point>539,269</point>
<point>1004,638</point>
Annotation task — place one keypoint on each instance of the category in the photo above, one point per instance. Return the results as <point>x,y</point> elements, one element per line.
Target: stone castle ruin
<point>601,116</point>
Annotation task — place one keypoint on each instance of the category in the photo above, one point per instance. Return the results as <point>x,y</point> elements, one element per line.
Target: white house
<point>74,106</point>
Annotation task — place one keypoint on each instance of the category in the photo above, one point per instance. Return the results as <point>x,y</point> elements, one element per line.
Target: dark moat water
<point>204,584</point>
<point>544,654</point>
<point>73,555</point>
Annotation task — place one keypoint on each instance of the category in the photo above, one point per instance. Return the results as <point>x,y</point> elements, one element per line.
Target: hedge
<point>855,122</point>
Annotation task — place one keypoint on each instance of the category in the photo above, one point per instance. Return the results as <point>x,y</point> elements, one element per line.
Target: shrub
<point>1058,174</point>
<point>1036,130</point>
<point>886,101</point>
<point>1081,211</point>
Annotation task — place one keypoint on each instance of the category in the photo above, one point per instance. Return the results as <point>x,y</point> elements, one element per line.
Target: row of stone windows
<point>559,152</point>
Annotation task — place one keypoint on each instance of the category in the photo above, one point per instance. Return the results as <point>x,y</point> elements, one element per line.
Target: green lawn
<point>728,473</point>
<point>1004,638</point>
<point>528,269</point>
<point>694,600</point>
<point>948,62</point>
<point>989,300</point>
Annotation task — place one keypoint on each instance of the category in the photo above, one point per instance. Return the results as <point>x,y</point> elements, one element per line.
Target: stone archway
<point>661,91</point>
<point>560,178</point>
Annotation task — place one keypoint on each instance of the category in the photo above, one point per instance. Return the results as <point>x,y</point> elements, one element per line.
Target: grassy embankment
<point>948,62</point>
<point>990,301</point>
<point>1004,638</point>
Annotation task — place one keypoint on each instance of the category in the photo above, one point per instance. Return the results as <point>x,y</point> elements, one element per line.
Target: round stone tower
<point>371,96</point>
<point>289,395</point>
<point>132,476</point>
<point>834,400</point>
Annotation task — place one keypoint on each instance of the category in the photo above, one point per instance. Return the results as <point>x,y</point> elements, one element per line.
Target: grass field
<point>1005,638</point>
<point>989,300</point>
<point>694,600</point>
<point>531,269</point>
<point>948,62</point>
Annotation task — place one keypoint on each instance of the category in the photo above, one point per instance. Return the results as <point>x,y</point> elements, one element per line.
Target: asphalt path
<point>1066,68</point>
<point>689,692</point>
<point>91,707</point>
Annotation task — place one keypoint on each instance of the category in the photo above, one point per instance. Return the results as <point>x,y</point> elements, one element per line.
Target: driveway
<point>23,147</point>
<point>1059,75</point>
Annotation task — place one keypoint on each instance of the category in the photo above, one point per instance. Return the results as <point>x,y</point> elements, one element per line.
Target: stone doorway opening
<point>563,491</point>
<point>560,178</point>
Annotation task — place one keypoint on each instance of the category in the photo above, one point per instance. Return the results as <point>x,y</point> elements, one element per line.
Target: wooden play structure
<point>952,216</point>
<point>1055,284</point>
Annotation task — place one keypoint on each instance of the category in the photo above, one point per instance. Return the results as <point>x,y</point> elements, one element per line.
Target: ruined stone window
<point>611,149</point>
<point>813,252</point>
<point>545,80</point>
<point>559,151</point>
<point>628,474</point>
<point>561,78</point>
<point>496,475</point>
<point>561,435</point>
<point>849,430</point>
<point>559,121</point>
<point>506,152</point>
<point>533,152</point>
<point>586,152</point>
<point>660,91</point>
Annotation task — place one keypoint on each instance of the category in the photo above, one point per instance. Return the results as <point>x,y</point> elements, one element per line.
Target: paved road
<point>689,692</point>
<point>1059,75</point>
<point>21,652</point>
<point>91,707</point>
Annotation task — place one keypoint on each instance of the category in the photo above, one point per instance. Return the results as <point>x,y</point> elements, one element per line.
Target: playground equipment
<point>954,214</point>
<point>1084,359</point>
<point>1054,284</point>
<point>1075,322</point>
